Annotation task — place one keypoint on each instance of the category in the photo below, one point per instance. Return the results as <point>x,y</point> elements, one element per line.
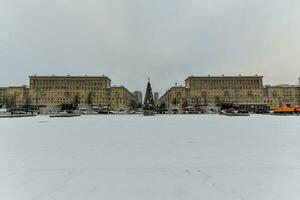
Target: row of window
<point>67,88</point>
<point>68,82</point>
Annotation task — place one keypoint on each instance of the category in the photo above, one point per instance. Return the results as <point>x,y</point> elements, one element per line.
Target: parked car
<point>18,111</point>
<point>3,110</point>
<point>122,111</point>
<point>191,110</point>
<point>175,111</point>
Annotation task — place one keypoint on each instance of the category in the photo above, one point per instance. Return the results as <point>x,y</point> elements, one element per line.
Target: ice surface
<point>190,157</point>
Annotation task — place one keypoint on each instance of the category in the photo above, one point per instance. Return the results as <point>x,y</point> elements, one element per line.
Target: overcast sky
<point>129,40</point>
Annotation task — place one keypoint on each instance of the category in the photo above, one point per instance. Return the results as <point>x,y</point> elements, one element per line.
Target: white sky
<point>129,40</point>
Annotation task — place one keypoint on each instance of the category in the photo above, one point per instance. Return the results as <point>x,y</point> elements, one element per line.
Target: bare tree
<point>10,101</point>
<point>76,101</point>
<point>90,98</point>
<point>27,101</point>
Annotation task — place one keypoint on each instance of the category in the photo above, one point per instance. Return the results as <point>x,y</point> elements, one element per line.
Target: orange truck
<point>287,109</point>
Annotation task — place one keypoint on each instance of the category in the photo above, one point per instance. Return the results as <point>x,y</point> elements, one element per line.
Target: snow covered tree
<point>149,100</point>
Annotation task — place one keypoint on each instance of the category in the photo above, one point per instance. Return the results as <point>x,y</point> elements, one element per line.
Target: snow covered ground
<point>190,157</point>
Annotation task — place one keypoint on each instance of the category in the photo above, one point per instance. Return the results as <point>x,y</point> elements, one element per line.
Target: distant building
<point>120,98</point>
<point>57,90</point>
<point>15,96</point>
<point>156,97</point>
<point>3,95</point>
<point>138,97</point>
<point>245,91</point>
<point>282,95</point>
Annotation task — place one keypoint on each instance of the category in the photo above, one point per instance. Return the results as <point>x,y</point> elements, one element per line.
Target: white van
<point>3,110</point>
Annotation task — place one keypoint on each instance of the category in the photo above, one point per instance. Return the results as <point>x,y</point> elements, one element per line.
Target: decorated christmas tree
<point>149,100</point>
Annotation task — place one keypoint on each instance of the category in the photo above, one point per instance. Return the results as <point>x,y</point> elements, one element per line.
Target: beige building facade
<point>225,89</point>
<point>282,95</point>
<point>93,90</point>
<point>238,90</point>
<point>14,96</point>
<point>53,90</point>
<point>57,90</point>
<point>174,97</point>
<point>121,98</point>
<point>3,96</point>
<point>197,91</point>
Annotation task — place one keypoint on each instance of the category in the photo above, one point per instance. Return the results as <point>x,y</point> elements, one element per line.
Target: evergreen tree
<point>149,100</point>
<point>133,105</point>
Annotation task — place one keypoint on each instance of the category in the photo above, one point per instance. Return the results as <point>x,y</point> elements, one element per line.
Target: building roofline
<point>169,89</point>
<point>118,86</point>
<point>282,86</point>
<point>122,86</point>
<point>21,86</point>
<point>177,86</point>
<point>54,76</point>
<point>239,76</point>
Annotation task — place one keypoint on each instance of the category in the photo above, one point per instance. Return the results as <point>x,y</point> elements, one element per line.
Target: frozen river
<point>190,157</point>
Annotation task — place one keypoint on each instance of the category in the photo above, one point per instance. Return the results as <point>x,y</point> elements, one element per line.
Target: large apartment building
<point>3,95</point>
<point>57,90</point>
<point>226,89</point>
<point>282,95</point>
<point>121,97</point>
<point>94,90</point>
<point>238,90</point>
<point>54,90</point>
<point>15,96</point>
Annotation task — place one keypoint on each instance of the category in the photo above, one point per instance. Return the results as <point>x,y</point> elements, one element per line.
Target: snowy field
<point>189,157</point>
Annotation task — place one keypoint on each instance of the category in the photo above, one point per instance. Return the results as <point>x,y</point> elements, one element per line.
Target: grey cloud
<point>166,40</point>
